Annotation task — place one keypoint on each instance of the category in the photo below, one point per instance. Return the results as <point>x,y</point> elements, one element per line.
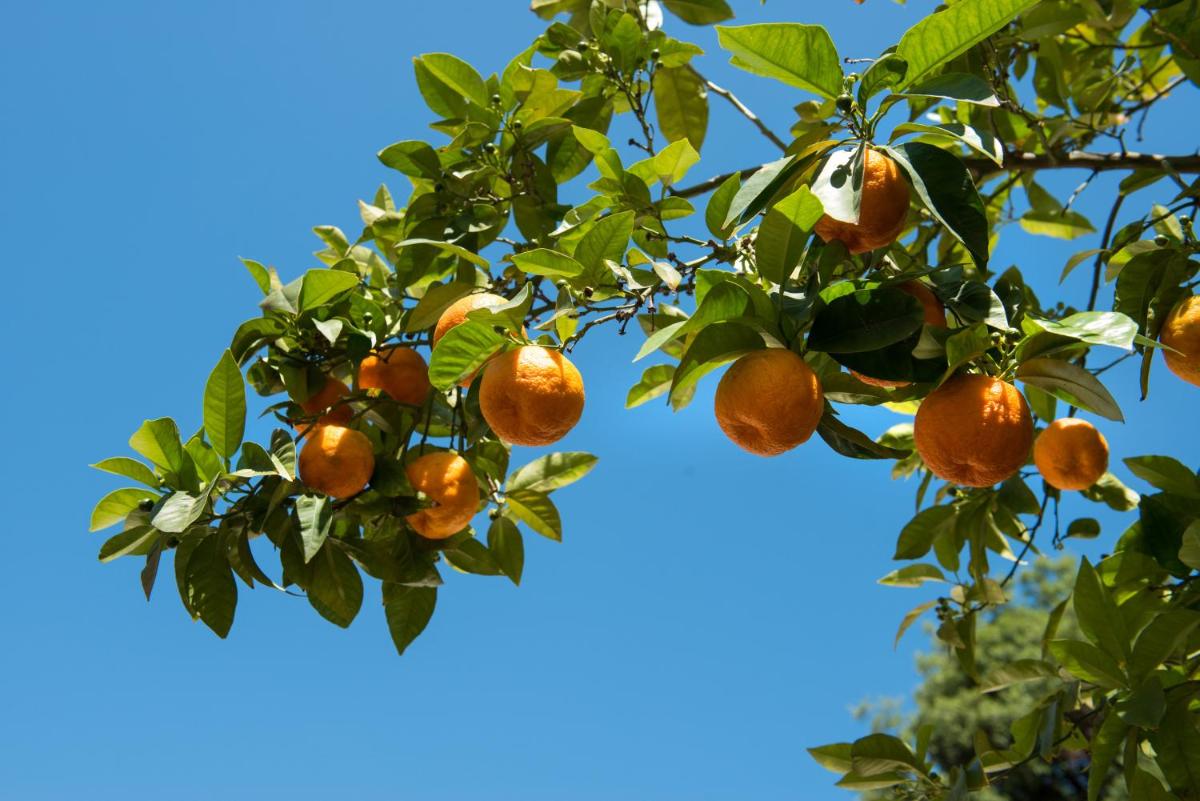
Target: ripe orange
<point>337,461</point>
<point>974,430</point>
<point>447,479</point>
<point>1181,331</point>
<point>328,396</point>
<point>1071,454</point>
<point>531,395</point>
<point>883,210</point>
<point>769,401</point>
<point>398,371</point>
<point>459,310</point>
<point>935,315</point>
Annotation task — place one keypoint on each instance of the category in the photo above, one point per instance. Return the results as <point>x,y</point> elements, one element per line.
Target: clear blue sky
<point>710,613</point>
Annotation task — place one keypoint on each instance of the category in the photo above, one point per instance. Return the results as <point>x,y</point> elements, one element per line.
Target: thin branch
<point>712,183</point>
<point>747,113</point>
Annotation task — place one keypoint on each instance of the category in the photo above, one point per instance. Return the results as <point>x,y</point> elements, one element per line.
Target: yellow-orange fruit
<point>935,315</point>
<point>1071,454</point>
<point>1181,331</point>
<point>974,430</point>
<point>448,481</point>
<point>328,396</point>
<point>883,209</point>
<point>531,395</point>
<point>769,401</point>
<point>399,371</point>
<point>337,461</point>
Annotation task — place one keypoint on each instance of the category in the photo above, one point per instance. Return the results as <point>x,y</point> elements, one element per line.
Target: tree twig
<point>747,113</point>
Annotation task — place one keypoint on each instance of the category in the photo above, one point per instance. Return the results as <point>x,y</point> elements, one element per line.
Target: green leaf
<point>259,273</point>
<point>1097,613</point>
<point>948,33</point>
<point>917,536</point>
<point>507,547</point>
<point>850,441</point>
<point>1018,672</point>
<point>1094,327</point>
<point>715,345</point>
<point>910,618</point>
<point>877,754</point>
<point>1177,747</point>
<point>982,142</point>
<point>446,247</point>
<point>782,235</point>
<point>1071,383</point>
<point>955,86</point>
<point>716,213</point>
<point>211,591</point>
<point>655,382</point>
<point>462,351</point>
<point>131,541</point>
<point>472,556</point>
<point>834,757</point>
<point>865,320</point>
<point>543,261</point>
<point>1087,662</point>
<point>1160,640</point>
<point>458,75</point>
<point>536,510</point>
<point>158,440</point>
<point>335,588</point>
<point>114,506</point>
<point>799,55</point>
<point>681,104</point>
<point>699,12</point>
<point>605,240</point>
<point>315,514</point>
<point>408,610</point>
<point>912,576</point>
<point>946,188</point>
<point>225,406</point>
<point>1165,473</point>
<point>1109,490</point>
<point>759,188</point>
<point>552,471</point>
<point>415,159</point>
<point>319,287</point>
<point>1189,551</point>
<point>130,468</point>
<point>1105,745</point>
<point>179,511</point>
<point>1064,224</point>
<point>673,162</point>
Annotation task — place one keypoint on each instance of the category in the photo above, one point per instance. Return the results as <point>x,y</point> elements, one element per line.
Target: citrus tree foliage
<point>974,103</point>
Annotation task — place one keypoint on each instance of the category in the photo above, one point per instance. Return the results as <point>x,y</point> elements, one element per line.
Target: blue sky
<point>709,614</point>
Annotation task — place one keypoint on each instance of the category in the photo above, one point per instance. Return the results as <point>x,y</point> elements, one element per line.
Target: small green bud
<point>146,504</point>
<point>517,125</point>
<point>844,103</point>
<point>495,99</point>
<point>655,54</point>
<point>493,513</point>
<point>489,147</point>
<point>853,77</point>
<point>1185,220</point>
<point>1161,241</point>
<point>583,46</point>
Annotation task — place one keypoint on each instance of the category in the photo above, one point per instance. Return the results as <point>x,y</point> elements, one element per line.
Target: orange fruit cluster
<point>529,396</point>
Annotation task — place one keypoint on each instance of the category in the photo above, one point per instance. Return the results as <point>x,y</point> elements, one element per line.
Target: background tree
<point>853,270</point>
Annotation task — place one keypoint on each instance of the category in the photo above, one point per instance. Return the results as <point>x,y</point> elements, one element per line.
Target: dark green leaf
<point>335,588</point>
<point>865,320</point>
<point>1070,383</point>
<point>948,192</point>
<point>507,547</point>
<point>408,610</point>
